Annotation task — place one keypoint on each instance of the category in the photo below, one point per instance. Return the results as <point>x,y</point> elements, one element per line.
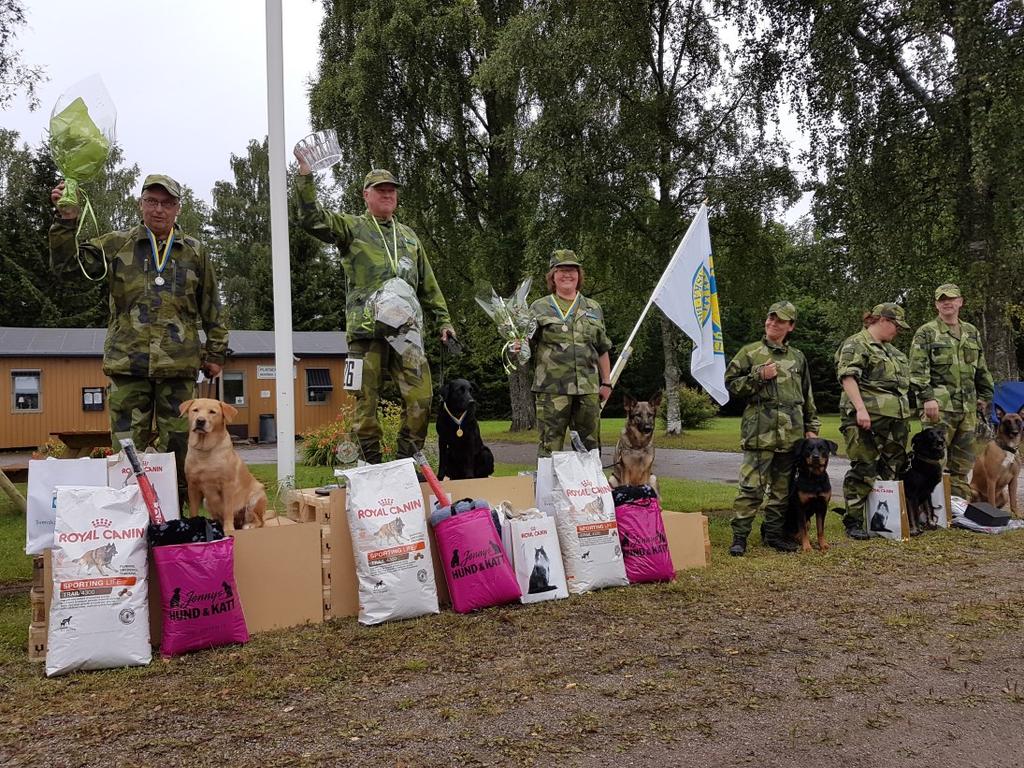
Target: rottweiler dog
<point>923,473</point>
<point>810,490</point>
<point>463,453</point>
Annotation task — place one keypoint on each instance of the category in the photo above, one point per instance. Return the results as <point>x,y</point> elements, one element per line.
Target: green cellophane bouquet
<point>512,317</point>
<point>82,130</point>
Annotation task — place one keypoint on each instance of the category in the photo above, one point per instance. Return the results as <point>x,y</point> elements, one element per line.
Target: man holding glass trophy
<point>388,285</point>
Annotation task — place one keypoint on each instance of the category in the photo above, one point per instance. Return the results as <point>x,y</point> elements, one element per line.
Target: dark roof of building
<point>88,342</point>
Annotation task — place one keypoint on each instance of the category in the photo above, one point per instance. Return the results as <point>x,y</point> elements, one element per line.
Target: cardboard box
<point>344,587</point>
<point>688,540</point>
<point>277,572</point>
<point>37,642</point>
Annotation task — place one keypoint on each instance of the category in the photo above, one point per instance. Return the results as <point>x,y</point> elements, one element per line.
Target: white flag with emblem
<point>688,296</point>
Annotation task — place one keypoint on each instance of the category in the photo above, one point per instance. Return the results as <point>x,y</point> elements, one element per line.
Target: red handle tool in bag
<point>156,515</point>
<point>431,478</point>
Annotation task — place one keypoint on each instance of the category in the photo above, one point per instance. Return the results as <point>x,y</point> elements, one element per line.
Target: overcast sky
<point>188,77</point>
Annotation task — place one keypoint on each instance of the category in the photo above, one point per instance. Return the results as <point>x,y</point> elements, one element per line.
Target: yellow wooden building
<point>51,381</point>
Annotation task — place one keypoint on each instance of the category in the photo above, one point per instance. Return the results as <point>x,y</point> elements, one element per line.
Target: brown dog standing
<point>634,452</point>
<point>214,470</point>
<point>995,471</point>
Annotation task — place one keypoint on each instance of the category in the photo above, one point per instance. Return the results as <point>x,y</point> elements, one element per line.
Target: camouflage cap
<point>162,180</point>
<point>952,290</point>
<point>563,258</point>
<point>784,310</point>
<point>892,312</point>
<point>380,176</point>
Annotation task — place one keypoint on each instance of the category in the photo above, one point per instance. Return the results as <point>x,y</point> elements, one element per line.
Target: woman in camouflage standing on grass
<point>874,409</point>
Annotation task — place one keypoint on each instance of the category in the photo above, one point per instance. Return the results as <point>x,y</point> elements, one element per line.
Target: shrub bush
<point>696,408</point>
<point>320,443</point>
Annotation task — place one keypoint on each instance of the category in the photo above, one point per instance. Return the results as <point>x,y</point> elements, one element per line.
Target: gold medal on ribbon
<point>458,432</point>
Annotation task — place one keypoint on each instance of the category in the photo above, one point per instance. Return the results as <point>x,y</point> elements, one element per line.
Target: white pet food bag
<point>585,519</point>
<point>537,557</point>
<point>99,613</point>
<point>44,475</point>
<point>390,543</point>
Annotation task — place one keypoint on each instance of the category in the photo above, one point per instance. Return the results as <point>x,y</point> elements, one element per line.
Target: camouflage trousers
<point>149,412</point>
<point>556,413</point>
<point>960,453</point>
<point>877,454</point>
<point>764,481</point>
<point>413,381</point>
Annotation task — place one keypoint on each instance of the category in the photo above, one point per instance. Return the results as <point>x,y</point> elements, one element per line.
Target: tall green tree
<point>239,236</point>
<point>15,75</point>
<point>914,109</point>
<point>632,137</point>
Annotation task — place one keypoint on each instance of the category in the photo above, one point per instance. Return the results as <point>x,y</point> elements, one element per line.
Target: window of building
<point>233,387</point>
<point>25,390</point>
<point>318,385</point>
<point>92,398</point>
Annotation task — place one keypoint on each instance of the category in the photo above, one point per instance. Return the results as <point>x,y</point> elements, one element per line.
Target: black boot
<point>739,546</point>
<point>856,532</point>
<point>780,543</point>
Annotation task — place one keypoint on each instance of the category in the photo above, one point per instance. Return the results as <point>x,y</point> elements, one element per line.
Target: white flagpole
<point>627,349</point>
<point>279,247</point>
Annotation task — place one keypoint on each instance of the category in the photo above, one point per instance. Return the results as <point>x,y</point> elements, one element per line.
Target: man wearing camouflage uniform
<point>775,380</point>
<point>162,288</point>
<point>570,350</point>
<point>374,249</point>
<point>951,381</point>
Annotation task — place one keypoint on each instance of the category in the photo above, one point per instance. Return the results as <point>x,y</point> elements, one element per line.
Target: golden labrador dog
<point>214,470</point>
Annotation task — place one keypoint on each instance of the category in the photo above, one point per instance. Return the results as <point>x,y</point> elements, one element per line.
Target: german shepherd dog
<point>810,490</point>
<point>634,452</point>
<point>996,469</point>
<point>463,455</point>
<point>98,558</point>
<point>927,452</point>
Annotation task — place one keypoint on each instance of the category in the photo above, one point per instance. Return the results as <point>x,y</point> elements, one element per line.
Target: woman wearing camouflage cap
<point>874,409</point>
<point>774,379</point>
<point>572,374</point>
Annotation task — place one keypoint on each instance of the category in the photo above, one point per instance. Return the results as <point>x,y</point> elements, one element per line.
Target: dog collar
<point>456,419</point>
<point>1007,448</point>
<point>936,462</point>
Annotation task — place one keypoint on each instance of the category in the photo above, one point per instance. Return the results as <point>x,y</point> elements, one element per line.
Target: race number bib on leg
<point>353,374</point>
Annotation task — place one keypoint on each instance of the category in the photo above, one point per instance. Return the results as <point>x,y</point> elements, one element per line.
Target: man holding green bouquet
<point>162,287</point>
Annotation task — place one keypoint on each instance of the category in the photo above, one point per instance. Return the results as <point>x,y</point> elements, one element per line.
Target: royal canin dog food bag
<point>585,519</point>
<point>198,595</point>
<point>99,614</point>
<point>476,566</point>
<point>642,535</point>
<point>532,543</point>
<point>388,525</point>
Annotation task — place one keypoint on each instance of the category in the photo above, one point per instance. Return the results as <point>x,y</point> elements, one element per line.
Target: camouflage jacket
<point>364,257</point>
<point>779,411</point>
<point>947,369</point>
<point>153,329</point>
<point>565,361</point>
<point>882,374</point>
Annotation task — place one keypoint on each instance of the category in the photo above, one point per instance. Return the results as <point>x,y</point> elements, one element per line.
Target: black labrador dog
<point>927,452</point>
<point>463,453</point>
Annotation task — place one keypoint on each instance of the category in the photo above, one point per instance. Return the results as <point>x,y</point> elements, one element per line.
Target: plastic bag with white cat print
<point>99,613</point>
<point>386,518</point>
<point>585,520</point>
<point>532,543</point>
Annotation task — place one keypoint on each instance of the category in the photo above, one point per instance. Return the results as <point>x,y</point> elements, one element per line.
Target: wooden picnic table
<point>81,442</point>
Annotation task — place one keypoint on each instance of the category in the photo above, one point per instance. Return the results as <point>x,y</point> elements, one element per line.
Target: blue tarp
<point>1009,396</point>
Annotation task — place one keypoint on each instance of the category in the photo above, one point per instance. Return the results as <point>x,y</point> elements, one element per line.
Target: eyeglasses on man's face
<point>152,203</point>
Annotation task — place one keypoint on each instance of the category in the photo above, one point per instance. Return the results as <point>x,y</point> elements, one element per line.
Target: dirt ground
<point>874,654</point>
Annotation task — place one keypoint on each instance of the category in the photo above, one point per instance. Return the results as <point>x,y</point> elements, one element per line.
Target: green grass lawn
<point>721,434</point>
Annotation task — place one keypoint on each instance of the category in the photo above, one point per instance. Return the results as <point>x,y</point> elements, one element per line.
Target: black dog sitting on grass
<point>463,453</point>
<point>927,453</point>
